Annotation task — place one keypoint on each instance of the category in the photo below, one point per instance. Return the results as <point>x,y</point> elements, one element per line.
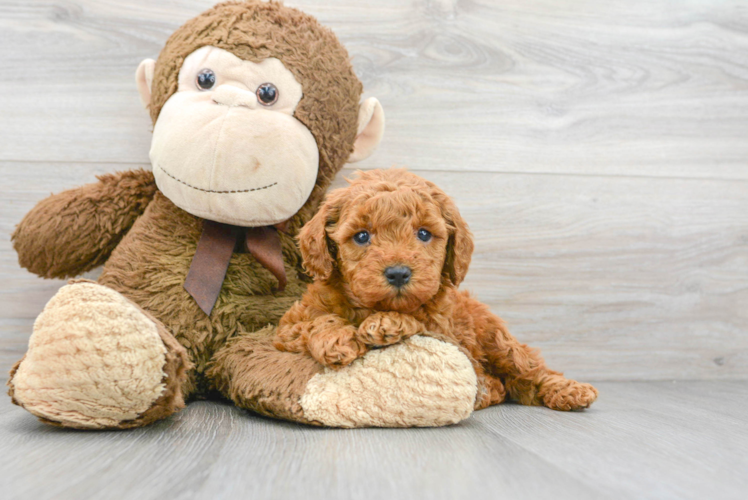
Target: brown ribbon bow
<point>217,243</point>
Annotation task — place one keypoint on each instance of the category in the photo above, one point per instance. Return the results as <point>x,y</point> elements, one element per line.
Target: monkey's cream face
<point>226,146</point>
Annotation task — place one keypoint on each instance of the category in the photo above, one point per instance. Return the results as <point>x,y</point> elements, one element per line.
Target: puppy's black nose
<point>398,275</point>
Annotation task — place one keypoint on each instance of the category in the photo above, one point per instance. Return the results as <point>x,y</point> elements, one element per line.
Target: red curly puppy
<point>387,254</point>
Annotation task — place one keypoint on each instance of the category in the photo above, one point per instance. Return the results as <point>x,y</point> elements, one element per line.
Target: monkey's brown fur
<point>147,244</point>
<point>351,308</point>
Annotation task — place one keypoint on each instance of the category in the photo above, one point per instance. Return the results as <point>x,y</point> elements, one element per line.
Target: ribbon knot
<point>217,244</point>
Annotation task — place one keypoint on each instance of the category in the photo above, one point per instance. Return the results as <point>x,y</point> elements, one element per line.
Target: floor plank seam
<point>426,170</point>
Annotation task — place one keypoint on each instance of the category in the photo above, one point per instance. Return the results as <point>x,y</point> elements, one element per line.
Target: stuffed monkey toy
<point>255,109</point>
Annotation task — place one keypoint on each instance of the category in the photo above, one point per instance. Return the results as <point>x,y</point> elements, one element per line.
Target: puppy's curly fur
<point>394,219</point>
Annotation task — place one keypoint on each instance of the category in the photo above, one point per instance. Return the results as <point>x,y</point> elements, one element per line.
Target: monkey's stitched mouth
<point>212,190</point>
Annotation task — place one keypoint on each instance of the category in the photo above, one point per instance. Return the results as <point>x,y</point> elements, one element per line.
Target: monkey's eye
<point>423,235</point>
<point>362,238</point>
<point>205,79</point>
<point>267,94</point>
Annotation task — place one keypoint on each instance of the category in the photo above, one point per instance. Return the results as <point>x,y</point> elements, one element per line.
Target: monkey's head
<point>255,108</point>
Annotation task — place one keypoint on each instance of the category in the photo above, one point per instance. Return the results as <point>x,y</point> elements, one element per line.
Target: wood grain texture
<point>640,440</point>
<point>612,278</point>
<point>635,88</point>
<point>597,149</point>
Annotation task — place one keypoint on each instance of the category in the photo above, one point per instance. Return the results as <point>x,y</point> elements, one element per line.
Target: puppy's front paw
<point>566,395</point>
<point>335,348</point>
<point>386,328</point>
<point>291,338</point>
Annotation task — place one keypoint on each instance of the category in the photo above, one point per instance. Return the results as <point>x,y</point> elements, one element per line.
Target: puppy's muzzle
<point>398,276</point>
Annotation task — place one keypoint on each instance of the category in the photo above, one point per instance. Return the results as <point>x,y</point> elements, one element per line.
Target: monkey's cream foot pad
<point>421,382</point>
<point>94,360</point>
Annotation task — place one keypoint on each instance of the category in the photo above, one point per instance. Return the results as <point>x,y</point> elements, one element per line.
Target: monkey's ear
<point>370,129</point>
<point>317,250</point>
<point>144,80</point>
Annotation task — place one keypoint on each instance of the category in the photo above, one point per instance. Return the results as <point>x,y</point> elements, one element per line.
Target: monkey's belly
<point>151,262</point>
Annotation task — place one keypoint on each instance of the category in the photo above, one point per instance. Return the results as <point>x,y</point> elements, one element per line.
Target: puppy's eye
<point>205,79</point>
<point>267,94</point>
<point>423,235</point>
<point>362,238</point>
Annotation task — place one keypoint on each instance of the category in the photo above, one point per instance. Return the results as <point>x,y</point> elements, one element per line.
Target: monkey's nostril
<point>398,275</point>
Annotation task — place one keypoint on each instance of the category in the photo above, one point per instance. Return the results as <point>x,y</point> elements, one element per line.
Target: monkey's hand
<point>74,231</point>
<point>386,328</point>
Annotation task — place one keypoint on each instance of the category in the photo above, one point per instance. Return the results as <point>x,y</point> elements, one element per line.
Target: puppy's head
<point>391,240</point>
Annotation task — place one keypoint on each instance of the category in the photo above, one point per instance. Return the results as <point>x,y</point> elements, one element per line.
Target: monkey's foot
<point>421,382</point>
<point>96,360</point>
<point>559,393</point>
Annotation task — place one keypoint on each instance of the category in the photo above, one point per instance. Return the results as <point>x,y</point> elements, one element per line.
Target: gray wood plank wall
<point>598,150</point>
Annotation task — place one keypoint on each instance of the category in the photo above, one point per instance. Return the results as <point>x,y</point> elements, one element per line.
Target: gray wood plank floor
<point>640,440</point>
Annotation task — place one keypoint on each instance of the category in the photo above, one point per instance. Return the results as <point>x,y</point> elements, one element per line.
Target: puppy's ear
<point>460,243</point>
<point>317,250</point>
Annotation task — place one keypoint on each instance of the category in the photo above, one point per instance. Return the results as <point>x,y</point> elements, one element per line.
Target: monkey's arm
<point>328,338</point>
<point>72,232</point>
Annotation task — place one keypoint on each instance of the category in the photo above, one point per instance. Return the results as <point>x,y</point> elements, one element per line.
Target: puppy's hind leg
<point>494,392</point>
<point>526,377</point>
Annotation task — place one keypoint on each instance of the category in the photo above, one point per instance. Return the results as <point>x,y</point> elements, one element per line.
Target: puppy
<point>387,254</point>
